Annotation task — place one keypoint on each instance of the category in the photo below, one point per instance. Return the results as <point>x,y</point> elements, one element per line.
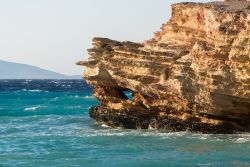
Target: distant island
<point>9,70</point>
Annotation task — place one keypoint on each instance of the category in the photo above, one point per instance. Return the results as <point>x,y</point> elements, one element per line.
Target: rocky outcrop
<point>193,75</point>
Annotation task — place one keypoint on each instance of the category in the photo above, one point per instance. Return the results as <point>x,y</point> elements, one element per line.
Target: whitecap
<point>56,82</point>
<point>32,108</point>
<point>36,90</point>
<point>151,128</point>
<point>105,126</point>
<point>89,97</point>
<point>206,164</point>
<point>66,86</point>
<point>200,136</point>
<point>142,133</point>
<point>241,140</point>
<point>73,107</point>
<point>84,97</point>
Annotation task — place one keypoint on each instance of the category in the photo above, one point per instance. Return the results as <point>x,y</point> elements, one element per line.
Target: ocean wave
<point>73,107</point>
<point>84,97</point>
<point>205,164</point>
<point>33,90</point>
<point>56,82</point>
<point>36,90</point>
<point>69,86</point>
<point>234,138</point>
<point>32,108</point>
<point>110,134</point>
<point>105,126</point>
<point>241,140</point>
<point>72,97</point>
<point>108,131</point>
<point>89,97</point>
<point>54,99</point>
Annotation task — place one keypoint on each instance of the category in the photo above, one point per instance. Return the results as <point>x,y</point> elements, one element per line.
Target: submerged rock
<point>193,75</point>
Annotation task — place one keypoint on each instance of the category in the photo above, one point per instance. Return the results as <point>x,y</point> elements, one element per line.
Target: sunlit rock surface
<point>194,74</point>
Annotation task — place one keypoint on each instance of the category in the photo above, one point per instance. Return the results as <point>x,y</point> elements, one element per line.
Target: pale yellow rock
<point>197,67</point>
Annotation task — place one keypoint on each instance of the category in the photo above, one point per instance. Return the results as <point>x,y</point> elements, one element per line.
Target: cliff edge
<point>192,75</point>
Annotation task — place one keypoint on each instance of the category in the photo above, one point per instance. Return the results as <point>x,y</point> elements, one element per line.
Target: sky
<point>54,34</point>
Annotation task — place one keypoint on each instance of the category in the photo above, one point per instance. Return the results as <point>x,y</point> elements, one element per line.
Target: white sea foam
<point>242,140</point>
<point>33,90</point>
<point>32,108</point>
<point>66,86</point>
<point>151,128</point>
<point>206,164</point>
<point>121,132</point>
<point>73,107</point>
<point>235,138</point>
<point>84,97</point>
<point>56,82</point>
<point>89,97</point>
<point>105,126</point>
<point>200,136</point>
<point>36,90</point>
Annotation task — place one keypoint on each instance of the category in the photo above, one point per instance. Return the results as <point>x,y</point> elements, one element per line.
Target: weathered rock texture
<point>193,75</point>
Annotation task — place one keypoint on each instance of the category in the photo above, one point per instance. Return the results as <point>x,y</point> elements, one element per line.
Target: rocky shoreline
<point>130,119</point>
<point>192,75</point>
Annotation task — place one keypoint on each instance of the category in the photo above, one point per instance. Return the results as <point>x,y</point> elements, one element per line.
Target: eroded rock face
<point>193,75</point>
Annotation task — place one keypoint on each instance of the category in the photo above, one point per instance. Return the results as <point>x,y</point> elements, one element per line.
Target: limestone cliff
<point>193,75</point>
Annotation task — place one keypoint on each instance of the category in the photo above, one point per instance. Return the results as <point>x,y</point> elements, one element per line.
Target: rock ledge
<point>193,75</point>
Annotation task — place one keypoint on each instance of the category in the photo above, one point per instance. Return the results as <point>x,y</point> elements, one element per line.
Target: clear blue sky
<point>54,34</point>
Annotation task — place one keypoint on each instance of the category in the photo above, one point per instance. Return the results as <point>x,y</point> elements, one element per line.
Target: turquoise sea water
<point>46,123</point>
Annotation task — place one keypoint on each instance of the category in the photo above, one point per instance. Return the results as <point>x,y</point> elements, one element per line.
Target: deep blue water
<point>46,123</point>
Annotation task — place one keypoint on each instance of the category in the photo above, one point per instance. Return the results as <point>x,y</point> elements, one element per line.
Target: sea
<point>46,123</point>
